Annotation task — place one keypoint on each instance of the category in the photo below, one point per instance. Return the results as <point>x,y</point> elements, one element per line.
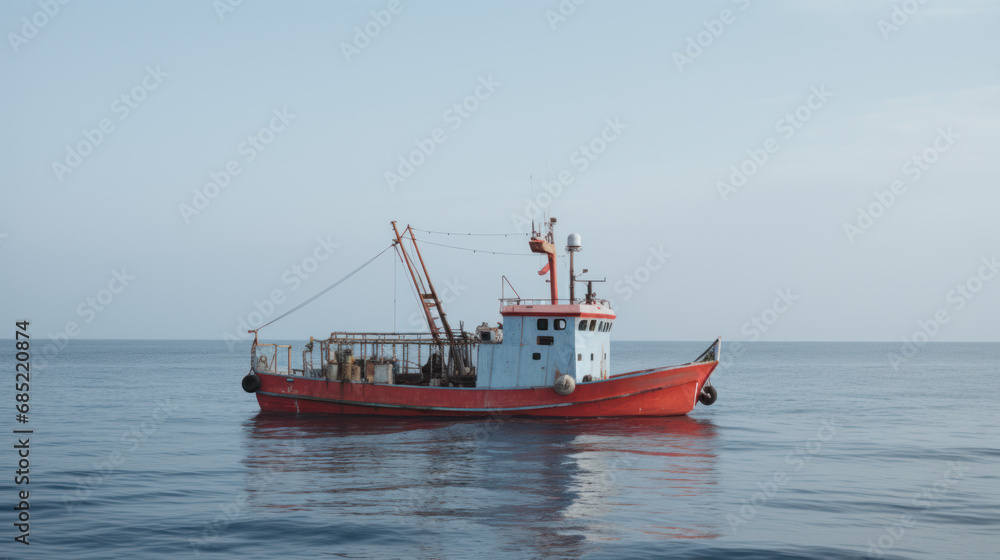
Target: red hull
<point>658,392</point>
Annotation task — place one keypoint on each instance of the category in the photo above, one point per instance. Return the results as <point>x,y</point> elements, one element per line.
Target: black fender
<point>708,395</point>
<point>251,382</point>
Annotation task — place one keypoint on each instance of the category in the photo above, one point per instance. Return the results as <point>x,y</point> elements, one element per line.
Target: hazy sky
<point>168,166</point>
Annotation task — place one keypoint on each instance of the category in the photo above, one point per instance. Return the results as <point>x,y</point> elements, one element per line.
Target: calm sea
<point>150,449</point>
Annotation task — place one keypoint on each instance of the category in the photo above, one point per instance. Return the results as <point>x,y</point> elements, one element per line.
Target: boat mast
<point>573,246</point>
<point>429,300</point>
<point>547,246</point>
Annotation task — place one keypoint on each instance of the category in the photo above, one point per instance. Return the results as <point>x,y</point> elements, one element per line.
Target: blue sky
<point>309,134</point>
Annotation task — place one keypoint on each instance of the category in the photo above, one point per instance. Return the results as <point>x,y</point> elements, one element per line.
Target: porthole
<point>536,356</point>
<point>559,324</point>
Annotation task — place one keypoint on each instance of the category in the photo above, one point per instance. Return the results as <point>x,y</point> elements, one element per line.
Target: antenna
<point>545,214</point>
<point>573,245</point>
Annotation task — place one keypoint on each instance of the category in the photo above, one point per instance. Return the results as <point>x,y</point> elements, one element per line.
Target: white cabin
<point>542,342</point>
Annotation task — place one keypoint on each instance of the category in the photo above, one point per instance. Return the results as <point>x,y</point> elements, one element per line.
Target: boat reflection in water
<point>443,488</point>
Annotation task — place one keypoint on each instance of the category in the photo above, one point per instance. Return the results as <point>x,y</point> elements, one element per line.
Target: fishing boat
<point>547,358</point>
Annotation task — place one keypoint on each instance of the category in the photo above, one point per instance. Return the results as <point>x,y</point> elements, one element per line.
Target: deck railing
<point>504,302</point>
<point>407,353</point>
<point>264,358</point>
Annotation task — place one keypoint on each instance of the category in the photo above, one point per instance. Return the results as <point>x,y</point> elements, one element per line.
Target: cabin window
<point>609,327</point>
<point>579,357</point>
<point>583,325</point>
<point>484,336</point>
<point>559,324</point>
<point>545,340</point>
<point>592,357</point>
<point>593,324</point>
<point>536,356</point>
<point>543,324</point>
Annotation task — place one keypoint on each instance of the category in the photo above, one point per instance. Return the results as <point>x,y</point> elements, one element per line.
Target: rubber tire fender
<point>251,383</point>
<point>708,395</point>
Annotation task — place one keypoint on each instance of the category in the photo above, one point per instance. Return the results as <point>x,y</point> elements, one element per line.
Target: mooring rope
<point>325,290</point>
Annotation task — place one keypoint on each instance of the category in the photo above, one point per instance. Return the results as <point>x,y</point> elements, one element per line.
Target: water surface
<point>150,449</point>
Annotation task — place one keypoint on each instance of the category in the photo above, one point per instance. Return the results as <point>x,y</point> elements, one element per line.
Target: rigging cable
<point>480,234</point>
<point>325,290</point>
<point>395,292</point>
<point>473,250</point>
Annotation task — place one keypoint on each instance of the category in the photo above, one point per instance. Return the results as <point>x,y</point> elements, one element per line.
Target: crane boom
<point>428,298</point>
